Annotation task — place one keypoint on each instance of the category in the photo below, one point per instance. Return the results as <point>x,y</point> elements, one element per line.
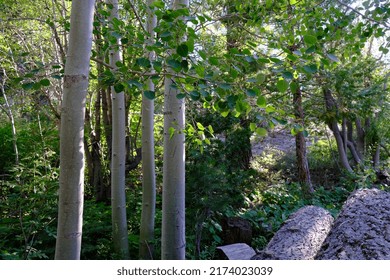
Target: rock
<point>362,229</point>
<point>300,237</point>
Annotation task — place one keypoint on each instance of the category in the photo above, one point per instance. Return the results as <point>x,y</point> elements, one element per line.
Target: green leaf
<point>45,82</point>
<point>175,64</point>
<point>251,92</point>
<point>200,126</point>
<point>181,95</point>
<point>294,87</point>
<point>252,126</point>
<point>195,95</point>
<point>310,50</point>
<point>171,131</point>
<point>249,59</point>
<point>27,86</point>
<point>263,60</point>
<point>282,85</point>
<point>150,94</point>
<point>260,78</point>
<point>270,109</point>
<point>261,131</point>
<point>57,77</point>
<point>287,75</point>
<point>214,60</point>
<point>165,34</point>
<point>225,86</point>
<point>157,65</point>
<point>225,113</point>
<point>182,50</point>
<point>119,88</point>
<point>158,4</point>
<point>242,106</point>
<point>202,54</point>
<point>261,102</point>
<point>309,40</point>
<point>281,121</point>
<point>310,69</point>
<point>135,83</point>
<point>143,62</point>
<point>277,61</point>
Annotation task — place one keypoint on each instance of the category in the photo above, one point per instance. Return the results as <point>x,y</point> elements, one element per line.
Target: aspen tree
<point>148,163</point>
<point>118,157</point>
<point>71,192</point>
<point>173,207</point>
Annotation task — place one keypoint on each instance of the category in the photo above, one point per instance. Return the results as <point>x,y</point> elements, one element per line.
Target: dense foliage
<point>247,70</point>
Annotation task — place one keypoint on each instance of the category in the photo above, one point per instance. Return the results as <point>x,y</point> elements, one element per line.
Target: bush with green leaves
<point>28,194</point>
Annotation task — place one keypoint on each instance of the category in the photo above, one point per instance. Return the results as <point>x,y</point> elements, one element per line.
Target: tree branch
<point>137,16</point>
<point>363,15</point>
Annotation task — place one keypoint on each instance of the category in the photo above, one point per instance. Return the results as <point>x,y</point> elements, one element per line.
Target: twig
<point>137,16</point>
<point>362,15</point>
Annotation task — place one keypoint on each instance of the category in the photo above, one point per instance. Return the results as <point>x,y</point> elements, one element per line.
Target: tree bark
<point>362,229</point>
<point>173,242</point>
<point>10,115</point>
<point>148,161</point>
<point>333,125</point>
<point>70,208</point>
<point>360,143</point>
<point>118,158</point>
<point>300,144</point>
<point>300,237</point>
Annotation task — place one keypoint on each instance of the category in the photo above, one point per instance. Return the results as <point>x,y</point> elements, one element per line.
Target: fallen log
<point>362,229</point>
<point>237,251</point>
<point>300,237</point>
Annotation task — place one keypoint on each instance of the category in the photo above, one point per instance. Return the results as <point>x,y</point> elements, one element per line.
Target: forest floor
<point>277,140</point>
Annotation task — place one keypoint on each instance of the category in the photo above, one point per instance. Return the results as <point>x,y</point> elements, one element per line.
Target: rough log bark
<point>300,237</point>
<point>362,229</point>
<point>237,251</point>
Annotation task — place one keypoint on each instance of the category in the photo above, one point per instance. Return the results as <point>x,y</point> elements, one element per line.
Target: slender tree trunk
<point>173,217</point>
<point>344,132</point>
<point>118,159</point>
<point>10,115</point>
<point>360,143</point>
<point>148,161</point>
<point>377,153</point>
<point>300,144</point>
<point>70,208</point>
<point>331,107</point>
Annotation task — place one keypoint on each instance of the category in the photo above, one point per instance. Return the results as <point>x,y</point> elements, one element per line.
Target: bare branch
<point>363,15</point>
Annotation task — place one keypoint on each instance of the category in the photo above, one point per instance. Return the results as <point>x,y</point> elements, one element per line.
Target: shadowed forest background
<point>194,114</point>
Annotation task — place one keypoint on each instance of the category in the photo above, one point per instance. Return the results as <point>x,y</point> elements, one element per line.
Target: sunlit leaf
<point>282,85</point>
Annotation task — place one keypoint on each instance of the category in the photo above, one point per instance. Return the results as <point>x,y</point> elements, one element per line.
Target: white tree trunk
<point>10,115</point>
<point>148,163</point>
<point>71,193</point>
<point>173,205</point>
<point>118,194</point>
